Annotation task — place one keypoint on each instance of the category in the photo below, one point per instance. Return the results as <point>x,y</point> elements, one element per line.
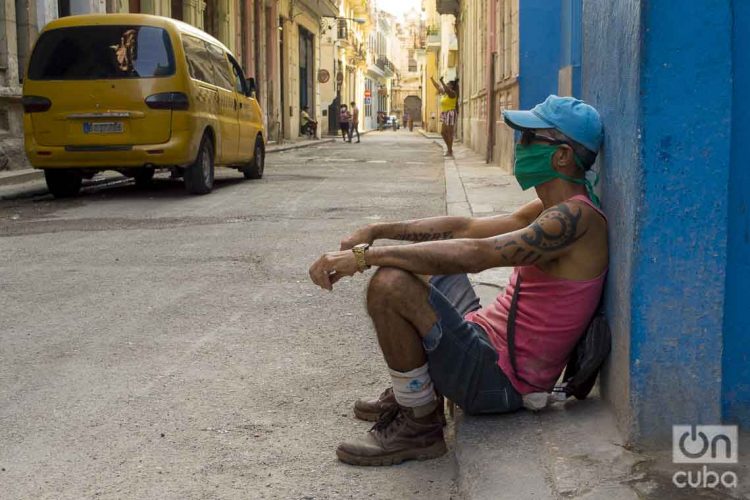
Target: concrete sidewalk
<point>571,449</point>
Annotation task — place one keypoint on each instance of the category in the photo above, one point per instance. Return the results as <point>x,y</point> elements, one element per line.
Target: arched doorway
<point>413,106</point>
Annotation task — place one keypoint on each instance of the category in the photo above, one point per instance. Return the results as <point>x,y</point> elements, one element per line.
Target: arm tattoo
<point>423,236</point>
<point>534,246</point>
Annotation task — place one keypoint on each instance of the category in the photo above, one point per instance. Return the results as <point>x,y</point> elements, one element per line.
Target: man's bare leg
<point>397,302</point>
<point>449,138</point>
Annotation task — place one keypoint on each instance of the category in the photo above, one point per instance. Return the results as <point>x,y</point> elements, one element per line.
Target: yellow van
<point>136,93</point>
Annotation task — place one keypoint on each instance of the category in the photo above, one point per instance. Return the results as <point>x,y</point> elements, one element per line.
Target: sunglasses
<point>529,136</point>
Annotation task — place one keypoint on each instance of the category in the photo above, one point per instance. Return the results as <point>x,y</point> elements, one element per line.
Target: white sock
<point>413,388</point>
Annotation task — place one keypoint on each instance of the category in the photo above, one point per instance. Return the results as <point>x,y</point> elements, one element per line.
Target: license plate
<point>102,128</point>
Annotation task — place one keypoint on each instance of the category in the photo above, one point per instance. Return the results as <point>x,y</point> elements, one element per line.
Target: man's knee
<point>387,285</point>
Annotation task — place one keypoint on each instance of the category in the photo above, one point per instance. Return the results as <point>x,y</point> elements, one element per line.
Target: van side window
<point>198,60</point>
<point>239,77</point>
<point>222,77</point>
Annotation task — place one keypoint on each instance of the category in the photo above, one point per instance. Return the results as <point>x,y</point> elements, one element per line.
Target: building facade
<point>408,53</point>
<point>381,71</point>
<point>344,56</point>
<point>440,60</point>
<point>301,23</point>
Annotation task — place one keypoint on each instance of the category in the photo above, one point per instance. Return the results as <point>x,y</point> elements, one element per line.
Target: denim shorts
<point>463,362</point>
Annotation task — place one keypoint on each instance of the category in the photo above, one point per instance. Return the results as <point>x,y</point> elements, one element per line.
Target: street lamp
<point>357,20</point>
<point>325,26</point>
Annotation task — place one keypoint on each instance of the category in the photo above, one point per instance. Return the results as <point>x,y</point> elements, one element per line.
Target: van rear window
<point>102,52</point>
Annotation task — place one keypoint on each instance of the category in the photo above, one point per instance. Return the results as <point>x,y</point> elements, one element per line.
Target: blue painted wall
<point>570,45</point>
<point>666,97</point>
<point>681,254</point>
<point>539,50</point>
<point>736,363</point>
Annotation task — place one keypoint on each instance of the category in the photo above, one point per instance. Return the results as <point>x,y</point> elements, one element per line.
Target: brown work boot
<point>371,409</point>
<point>400,434</point>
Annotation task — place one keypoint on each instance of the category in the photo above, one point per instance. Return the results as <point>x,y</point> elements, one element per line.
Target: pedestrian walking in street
<point>434,334</point>
<point>345,120</point>
<point>448,110</point>
<point>406,120</point>
<point>355,121</point>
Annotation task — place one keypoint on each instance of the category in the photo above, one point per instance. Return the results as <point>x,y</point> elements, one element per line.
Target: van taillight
<point>35,104</point>
<point>168,100</point>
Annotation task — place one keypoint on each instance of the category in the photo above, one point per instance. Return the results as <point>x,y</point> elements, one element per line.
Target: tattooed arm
<point>445,228</point>
<point>551,236</point>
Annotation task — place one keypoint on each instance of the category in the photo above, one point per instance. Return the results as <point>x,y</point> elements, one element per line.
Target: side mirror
<point>252,90</point>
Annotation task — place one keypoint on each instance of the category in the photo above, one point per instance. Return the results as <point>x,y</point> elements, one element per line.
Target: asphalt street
<point>155,344</point>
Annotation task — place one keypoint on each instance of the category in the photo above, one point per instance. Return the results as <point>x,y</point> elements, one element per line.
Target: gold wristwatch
<point>359,254</point>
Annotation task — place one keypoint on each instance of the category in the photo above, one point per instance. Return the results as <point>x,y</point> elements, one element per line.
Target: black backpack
<point>585,360</point>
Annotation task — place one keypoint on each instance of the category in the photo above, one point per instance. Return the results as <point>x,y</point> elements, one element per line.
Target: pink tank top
<point>552,314</point>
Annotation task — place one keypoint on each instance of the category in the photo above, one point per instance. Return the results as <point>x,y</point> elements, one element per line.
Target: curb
<point>20,176</point>
<point>456,200</point>
<point>289,147</point>
<point>429,135</point>
<point>113,178</point>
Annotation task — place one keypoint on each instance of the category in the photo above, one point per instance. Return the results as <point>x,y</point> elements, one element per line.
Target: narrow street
<point>161,345</point>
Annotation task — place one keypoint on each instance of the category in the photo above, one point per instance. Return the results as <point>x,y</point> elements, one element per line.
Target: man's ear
<point>564,159</point>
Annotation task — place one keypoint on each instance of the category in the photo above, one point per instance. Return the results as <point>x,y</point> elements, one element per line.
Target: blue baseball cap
<point>568,115</point>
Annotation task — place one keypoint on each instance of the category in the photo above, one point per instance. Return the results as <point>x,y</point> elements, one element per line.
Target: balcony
<point>419,40</point>
<point>327,8</point>
<point>448,7</point>
<point>385,64</point>
<point>346,35</point>
<point>433,36</point>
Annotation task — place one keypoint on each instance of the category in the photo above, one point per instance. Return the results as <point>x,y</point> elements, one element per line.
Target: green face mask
<point>533,166</point>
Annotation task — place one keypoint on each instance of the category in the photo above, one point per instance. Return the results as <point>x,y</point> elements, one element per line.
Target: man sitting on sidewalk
<point>433,333</point>
<point>309,126</point>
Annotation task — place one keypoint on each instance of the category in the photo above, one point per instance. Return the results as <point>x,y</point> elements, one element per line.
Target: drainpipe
<point>490,83</point>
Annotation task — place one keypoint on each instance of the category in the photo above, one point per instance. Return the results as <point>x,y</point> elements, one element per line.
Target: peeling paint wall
<point>736,362</point>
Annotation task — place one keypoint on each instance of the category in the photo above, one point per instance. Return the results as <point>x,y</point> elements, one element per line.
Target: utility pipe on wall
<point>490,82</point>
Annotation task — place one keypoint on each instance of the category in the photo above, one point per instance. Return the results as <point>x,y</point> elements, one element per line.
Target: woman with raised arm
<point>448,110</point>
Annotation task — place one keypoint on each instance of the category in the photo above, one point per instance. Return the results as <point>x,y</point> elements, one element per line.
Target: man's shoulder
<point>588,212</point>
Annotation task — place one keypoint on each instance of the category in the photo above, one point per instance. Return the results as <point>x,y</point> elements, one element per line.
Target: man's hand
<point>331,267</point>
<point>361,235</point>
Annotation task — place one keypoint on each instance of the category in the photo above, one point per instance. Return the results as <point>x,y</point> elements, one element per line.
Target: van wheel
<point>254,169</point>
<point>63,182</point>
<point>143,177</point>
<point>199,177</point>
